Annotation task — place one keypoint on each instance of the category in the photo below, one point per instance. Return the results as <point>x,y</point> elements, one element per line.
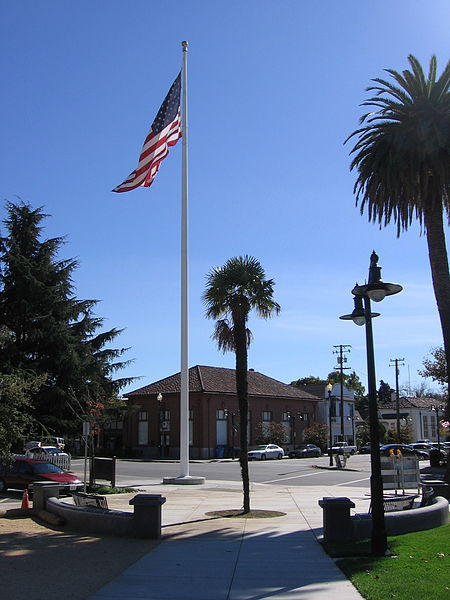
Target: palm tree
<point>402,155</point>
<point>232,292</point>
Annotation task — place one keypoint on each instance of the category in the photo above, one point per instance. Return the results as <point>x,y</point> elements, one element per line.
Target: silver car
<point>266,451</point>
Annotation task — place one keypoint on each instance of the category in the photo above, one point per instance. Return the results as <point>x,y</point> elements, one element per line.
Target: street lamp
<point>159,399</point>
<point>291,416</point>
<point>330,422</point>
<point>437,409</point>
<point>375,290</point>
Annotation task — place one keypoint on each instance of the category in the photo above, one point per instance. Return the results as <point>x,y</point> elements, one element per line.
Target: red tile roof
<point>217,380</point>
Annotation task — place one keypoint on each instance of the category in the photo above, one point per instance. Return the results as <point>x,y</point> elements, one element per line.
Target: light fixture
<point>358,315</point>
<point>376,289</point>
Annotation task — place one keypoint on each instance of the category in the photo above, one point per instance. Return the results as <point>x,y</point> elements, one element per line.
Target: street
<point>292,472</point>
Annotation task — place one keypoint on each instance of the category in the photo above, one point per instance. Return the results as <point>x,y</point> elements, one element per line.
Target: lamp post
<point>159,398</point>
<point>437,408</point>
<point>292,416</point>
<point>375,290</point>
<point>232,414</point>
<point>330,422</point>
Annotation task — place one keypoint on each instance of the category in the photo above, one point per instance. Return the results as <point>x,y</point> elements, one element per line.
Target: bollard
<point>42,491</point>
<point>147,515</point>
<point>337,523</point>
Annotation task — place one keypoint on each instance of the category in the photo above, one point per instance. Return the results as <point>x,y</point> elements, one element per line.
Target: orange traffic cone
<point>25,500</point>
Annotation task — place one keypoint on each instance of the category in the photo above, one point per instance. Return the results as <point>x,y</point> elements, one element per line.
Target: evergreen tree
<point>50,331</point>
<point>384,393</point>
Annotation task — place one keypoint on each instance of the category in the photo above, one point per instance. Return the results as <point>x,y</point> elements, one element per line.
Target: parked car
<point>265,451</point>
<point>343,448</point>
<point>364,449</point>
<point>421,446</point>
<point>305,450</point>
<point>44,451</point>
<point>23,472</point>
<point>57,442</point>
<point>404,449</point>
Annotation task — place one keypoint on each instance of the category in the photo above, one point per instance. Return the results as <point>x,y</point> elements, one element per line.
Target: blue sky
<point>274,90</point>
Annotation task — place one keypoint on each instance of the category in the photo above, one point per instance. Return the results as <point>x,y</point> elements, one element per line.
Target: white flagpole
<point>184,392</point>
<point>184,476</point>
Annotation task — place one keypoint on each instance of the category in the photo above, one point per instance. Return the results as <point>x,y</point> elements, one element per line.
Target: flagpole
<point>184,476</point>
<point>184,393</point>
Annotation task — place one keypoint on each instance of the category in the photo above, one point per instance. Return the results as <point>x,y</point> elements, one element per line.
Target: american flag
<point>165,132</point>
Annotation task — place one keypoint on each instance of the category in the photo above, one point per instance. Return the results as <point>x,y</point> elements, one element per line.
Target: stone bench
<point>339,525</point>
<point>144,522</point>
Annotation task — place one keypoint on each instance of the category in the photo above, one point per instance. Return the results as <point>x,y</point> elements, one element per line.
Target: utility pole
<point>397,362</point>
<point>341,350</point>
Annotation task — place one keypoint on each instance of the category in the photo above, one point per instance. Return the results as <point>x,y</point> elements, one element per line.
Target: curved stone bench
<point>339,525</point>
<point>405,521</point>
<point>144,522</point>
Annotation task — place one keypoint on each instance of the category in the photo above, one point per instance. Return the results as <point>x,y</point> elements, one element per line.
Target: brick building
<point>153,428</point>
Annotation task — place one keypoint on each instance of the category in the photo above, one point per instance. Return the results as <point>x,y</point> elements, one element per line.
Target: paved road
<point>292,472</point>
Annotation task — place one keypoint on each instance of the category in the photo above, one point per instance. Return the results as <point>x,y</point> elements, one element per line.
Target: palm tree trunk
<point>437,252</point>
<point>242,393</point>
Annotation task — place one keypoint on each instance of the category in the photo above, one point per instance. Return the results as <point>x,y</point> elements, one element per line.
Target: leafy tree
<point>318,435</point>
<point>46,329</point>
<point>232,292</point>
<point>406,435</point>
<point>270,433</point>
<point>311,380</point>
<point>363,433</point>
<point>15,419</point>
<point>402,155</point>
<point>351,381</point>
<point>436,366</point>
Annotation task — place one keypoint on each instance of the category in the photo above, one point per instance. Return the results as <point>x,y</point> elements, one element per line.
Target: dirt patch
<point>39,561</point>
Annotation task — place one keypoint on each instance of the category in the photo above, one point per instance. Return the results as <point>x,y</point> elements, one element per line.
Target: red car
<point>23,472</point>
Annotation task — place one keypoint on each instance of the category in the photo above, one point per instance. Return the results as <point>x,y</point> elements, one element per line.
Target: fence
<point>60,460</point>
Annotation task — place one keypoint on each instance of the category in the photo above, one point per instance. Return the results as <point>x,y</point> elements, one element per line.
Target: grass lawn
<point>419,568</point>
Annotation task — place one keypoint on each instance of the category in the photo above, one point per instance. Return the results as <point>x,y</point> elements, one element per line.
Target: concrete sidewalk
<point>209,558</point>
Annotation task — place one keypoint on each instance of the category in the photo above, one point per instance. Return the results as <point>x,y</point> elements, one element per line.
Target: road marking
<point>293,477</point>
<point>350,482</point>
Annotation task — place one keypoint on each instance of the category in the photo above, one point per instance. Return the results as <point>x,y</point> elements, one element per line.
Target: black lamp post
<point>437,409</point>
<point>292,416</point>
<point>159,398</point>
<point>362,314</point>
<point>232,414</point>
<point>330,423</point>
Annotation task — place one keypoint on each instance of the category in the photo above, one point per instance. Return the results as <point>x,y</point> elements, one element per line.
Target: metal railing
<point>61,461</point>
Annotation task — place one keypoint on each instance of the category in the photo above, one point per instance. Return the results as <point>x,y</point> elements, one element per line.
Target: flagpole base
<point>183,480</point>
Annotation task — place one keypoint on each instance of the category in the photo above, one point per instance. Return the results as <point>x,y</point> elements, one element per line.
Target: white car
<point>44,451</point>
<point>266,451</point>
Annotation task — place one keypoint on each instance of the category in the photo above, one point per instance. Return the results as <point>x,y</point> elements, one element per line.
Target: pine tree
<point>50,331</point>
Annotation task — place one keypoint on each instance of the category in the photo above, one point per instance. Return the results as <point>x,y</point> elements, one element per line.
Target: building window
<point>425,427</point>
<point>267,416</point>
<point>433,427</point>
<point>221,428</point>
<point>143,428</point>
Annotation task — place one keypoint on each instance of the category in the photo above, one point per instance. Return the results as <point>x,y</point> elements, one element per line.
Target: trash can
<point>337,522</point>
<point>220,451</point>
<point>435,458</point>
